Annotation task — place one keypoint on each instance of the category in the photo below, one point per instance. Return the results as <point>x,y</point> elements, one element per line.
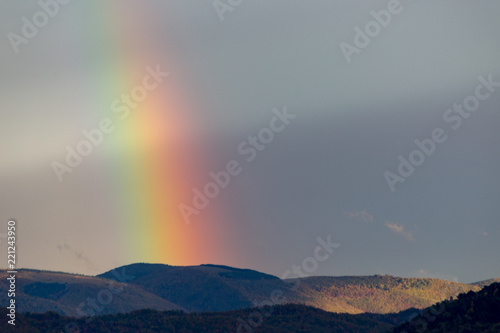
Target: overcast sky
<point>323,175</point>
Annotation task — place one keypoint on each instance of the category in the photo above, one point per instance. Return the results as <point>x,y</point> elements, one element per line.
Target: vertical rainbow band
<point>156,152</point>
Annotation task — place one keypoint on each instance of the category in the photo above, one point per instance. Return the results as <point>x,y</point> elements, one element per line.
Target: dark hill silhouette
<point>281,319</point>
<point>469,313</point>
<point>205,287</point>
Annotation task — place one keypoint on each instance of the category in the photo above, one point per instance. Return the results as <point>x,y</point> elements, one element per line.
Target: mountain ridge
<point>470,312</point>
<point>218,288</point>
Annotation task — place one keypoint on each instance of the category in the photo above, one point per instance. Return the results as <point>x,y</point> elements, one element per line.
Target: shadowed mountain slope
<point>469,313</point>
<point>40,291</point>
<point>222,288</point>
<point>204,288</point>
<point>279,319</point>
<point>211,288</point>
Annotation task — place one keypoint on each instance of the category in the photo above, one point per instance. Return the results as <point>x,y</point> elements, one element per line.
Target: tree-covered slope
<point>469,313</point>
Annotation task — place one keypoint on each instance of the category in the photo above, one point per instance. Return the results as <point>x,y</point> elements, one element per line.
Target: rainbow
<point>157,158</point>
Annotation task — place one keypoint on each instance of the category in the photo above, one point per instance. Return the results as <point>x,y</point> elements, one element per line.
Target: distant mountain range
<point>486,283</point>
<point>39,291</point>
<point>214,288</point>
<point>471,313</point>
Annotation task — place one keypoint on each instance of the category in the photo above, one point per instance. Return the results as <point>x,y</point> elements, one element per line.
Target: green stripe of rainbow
<point>155,159</point>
